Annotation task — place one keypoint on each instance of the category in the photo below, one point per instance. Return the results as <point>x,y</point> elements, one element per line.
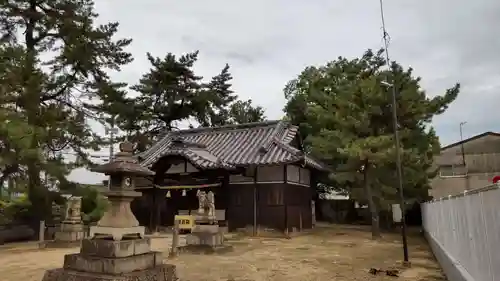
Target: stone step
<point>93,264</point>
<point>163,272</point>
<point>115,249</point>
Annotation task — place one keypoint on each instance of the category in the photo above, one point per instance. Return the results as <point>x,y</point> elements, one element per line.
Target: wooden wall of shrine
<point>268,197</point>
<point>282,196</point>
<point>279,206</point>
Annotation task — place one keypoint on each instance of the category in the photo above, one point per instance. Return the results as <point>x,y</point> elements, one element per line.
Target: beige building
<point>468,164</point>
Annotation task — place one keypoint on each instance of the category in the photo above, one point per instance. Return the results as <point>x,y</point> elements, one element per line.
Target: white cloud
<point>268,42</point>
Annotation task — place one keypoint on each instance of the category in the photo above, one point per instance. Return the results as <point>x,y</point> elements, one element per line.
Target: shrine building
<point>259,173</point>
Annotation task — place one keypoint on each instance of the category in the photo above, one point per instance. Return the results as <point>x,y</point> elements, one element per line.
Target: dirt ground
<point>327,253</point>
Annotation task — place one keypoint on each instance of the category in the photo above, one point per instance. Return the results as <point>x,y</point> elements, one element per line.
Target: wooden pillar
<point>175,239</point>
<point>300,220</point>
<point>313,196</point>
<point>158,198</point>
<point>283,192</point>
<point>41,235</point>
<point>255,201</point>
<point>227,197</point>
<point>151,209</point>
<point>285,195</point>
<point>154,209</point>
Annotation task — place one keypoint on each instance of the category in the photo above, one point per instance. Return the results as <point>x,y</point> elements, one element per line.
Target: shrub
<point>93,203</point>
<point>15,210</point>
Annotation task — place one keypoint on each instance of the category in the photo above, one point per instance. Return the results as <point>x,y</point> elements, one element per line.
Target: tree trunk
<point>371,204</point>
<point>37,193</point>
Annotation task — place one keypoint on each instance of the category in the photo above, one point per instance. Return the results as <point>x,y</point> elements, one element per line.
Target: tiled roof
<point>262,143</point>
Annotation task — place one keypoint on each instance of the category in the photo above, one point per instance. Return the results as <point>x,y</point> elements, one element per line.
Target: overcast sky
<point>268,42</point>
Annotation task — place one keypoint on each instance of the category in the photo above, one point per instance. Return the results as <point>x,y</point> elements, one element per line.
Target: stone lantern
<point>116,249</point>
<point>119,221</point>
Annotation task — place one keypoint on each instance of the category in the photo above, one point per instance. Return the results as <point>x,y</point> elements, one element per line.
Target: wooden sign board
<point>185,221</point>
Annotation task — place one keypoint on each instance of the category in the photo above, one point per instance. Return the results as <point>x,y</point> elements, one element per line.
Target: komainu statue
<point>202,198</point>
<point>206,203</point>
<point>211,204</point>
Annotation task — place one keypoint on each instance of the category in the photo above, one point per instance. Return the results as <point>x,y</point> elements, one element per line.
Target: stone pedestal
<point>206,238</point>
<point>209,235</point>
<point>69,234</point>
<point>113,261</point>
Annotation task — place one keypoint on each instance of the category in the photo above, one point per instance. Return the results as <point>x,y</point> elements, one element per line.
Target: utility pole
<point>396,138</point>
<point>111,131</point>
<point>462,142</point>
<point>465,171</point>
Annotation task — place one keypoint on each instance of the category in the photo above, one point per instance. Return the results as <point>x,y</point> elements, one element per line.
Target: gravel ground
<point>328,253</point>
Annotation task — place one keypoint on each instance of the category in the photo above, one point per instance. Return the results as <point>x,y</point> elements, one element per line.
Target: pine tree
<point>171,92</point>
<point>168,93</point>
<point>245,112</point>
<point>218,96</point>
<point>14,143</point>
<point>347,112</point>
<point>223,105</point>
<point>62,57</point>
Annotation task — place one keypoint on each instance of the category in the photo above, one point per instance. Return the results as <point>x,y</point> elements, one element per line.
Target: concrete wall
<point>444,186</point>
<point>482,163</point>
<point>464,233</point>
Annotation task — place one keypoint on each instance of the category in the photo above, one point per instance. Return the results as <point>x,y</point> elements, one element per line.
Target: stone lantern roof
<point>124,163</point>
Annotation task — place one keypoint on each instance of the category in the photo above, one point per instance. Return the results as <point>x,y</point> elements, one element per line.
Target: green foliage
<point>4,219</point>
<point>53,56</point>
<point>171,92</point>
<point>345,111</point>
<point>15,210</point>
<point>55,62</point>
<point>14,131</point>
<point>244,112</point>
<point>93,203</point>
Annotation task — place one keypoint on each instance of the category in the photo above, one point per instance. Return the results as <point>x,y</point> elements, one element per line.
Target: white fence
<point>464,233</point>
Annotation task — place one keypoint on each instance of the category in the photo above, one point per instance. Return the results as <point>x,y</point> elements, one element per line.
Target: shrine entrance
<point>172,191</point>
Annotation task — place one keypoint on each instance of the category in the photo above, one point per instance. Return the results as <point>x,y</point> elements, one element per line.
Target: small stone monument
<point>116,249</point>
<point>55,223</point>
<point>206,236</point>
<point>56,213</point>
<point>70,232</point>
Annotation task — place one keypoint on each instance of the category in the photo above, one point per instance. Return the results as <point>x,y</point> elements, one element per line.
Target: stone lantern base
<point>108,260</point>
<point>69,234</point>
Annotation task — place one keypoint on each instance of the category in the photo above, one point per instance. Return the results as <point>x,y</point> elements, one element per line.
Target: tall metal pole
<point>396,140</point>
<point>462,142</point>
